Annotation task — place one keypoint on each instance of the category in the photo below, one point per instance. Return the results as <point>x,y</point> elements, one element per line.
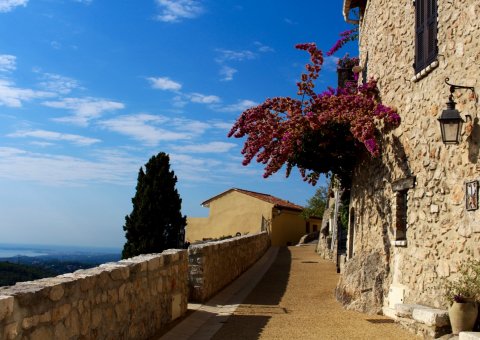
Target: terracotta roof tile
<point>278,202</point>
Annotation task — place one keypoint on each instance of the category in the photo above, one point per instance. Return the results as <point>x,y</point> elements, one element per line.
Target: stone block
<point>431,316</point>
<point>405,310</point>
<point>56,292</point>
<point>469,336</point>
<point>6,306</point>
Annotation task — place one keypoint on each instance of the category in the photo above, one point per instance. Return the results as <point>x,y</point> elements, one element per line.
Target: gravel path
<point>295,300</point>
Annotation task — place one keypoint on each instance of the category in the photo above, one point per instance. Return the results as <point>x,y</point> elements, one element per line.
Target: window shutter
<point>419,35</point>
<point>425,33</point>
<point>432,31</point>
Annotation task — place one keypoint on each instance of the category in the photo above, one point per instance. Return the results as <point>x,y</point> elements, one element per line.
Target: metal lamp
<point>450,120</point>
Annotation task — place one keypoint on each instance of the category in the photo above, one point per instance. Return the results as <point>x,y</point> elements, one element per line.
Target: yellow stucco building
<point>246,212</point>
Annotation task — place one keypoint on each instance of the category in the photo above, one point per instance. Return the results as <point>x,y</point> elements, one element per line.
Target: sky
<point>91,89</point>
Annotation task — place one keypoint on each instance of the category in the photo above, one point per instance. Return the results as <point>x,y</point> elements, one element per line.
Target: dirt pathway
<point>295,300</point>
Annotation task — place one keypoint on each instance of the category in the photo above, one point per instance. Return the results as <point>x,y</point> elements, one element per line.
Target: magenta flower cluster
<point>345,37</point>
<point>280,129</point>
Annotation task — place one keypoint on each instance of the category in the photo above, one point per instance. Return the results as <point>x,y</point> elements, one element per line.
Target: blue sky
<point>91,89</point>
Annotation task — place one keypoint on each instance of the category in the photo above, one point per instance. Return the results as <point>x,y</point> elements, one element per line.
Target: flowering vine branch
<point>319,133</point>
<point>345,37</point>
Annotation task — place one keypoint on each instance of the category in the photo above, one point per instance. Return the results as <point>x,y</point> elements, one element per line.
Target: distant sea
<point>32,250</point>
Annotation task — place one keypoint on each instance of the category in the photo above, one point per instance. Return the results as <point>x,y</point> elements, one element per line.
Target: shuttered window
<point>425,33</point>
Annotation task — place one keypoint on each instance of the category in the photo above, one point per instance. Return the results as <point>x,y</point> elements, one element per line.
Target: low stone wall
<point>129,299</point>
<point>214,265</point>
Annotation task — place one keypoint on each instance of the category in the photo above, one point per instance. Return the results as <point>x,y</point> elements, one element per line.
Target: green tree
<point>156,222</point>
<point>317,204</point>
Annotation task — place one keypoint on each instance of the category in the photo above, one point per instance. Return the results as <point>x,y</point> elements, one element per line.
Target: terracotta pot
<point>463,316</point>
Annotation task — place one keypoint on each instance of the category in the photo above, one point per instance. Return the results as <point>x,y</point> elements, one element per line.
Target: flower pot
<point>462,316</point>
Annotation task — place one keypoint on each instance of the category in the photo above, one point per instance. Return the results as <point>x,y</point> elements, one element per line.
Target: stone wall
<point>440,233</point>
<point>214,265</point>
<point>130,299</point>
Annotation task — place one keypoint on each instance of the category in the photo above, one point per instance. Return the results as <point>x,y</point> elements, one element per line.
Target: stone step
<point>469,336</point>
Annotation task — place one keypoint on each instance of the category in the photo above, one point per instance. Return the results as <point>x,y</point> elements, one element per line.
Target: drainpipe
<point>335,218</point>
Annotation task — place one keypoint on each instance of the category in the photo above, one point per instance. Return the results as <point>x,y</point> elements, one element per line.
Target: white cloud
<point>58,83</point>
<point>55,45</point>
<point>227,73</point>
<point>263,48</point>
<point>189,168</point>
<point>330,63</point>
<point>204,99</point>
<point>175,10</point>
<point>86,2</point>
<point>8,5</point>
<point>212,147</point>
<point>179,101</point>
<point>231,55</point>
<point>55,136</point>
<point>105,167</point>
<point>12,96</point>
<point>240,106</point>
<point>7,62</point>
<point>85,109</point>
<point>144,128</point>
<point>221,125</point>
<point>194,127</point>
<point>290,22</point>
<point>164,83</point>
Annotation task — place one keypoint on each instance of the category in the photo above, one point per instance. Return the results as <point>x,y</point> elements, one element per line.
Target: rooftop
<point>277,202</point>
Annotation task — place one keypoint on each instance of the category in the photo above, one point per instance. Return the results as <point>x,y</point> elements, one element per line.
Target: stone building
<point>411,221</point>
<point>238,211</point>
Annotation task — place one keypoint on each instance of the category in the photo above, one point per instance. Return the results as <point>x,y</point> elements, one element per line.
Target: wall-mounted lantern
<point>450,120</point>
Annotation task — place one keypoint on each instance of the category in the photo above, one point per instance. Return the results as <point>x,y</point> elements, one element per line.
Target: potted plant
<point>463,295</point>
<point>345,72</point>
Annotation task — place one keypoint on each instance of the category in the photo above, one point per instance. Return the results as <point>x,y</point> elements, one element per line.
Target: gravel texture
<point>295,300</point>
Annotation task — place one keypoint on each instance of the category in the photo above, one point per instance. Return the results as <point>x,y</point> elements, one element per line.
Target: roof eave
<point>347,6</point>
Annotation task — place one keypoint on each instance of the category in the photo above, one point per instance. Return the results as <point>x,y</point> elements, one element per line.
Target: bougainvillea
<point>318,133</point>
<point>345,37</point>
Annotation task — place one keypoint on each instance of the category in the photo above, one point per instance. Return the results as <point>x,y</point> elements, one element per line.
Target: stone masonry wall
<point>441,233</point>
<point>129,299</point>
<point>214,265</point>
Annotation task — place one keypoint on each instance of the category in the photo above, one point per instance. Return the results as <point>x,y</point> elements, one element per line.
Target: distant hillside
<point>10,273</point>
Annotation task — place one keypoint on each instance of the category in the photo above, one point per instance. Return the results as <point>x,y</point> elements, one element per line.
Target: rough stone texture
<point>441,233</point>
<point>370,273</point>
<point>130,299</point>
<point>214,265</point>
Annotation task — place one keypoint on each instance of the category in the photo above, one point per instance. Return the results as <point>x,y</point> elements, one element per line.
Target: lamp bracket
<point>454,87</point>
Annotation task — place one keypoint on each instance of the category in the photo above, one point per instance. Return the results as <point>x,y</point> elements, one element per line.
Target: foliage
<point>467,286</point>
<point>11,273</point>
<point>317,203</point>
<point>347,62</point>
<point>319,133</point>
<point>156,222</point>
<point>345,37</point>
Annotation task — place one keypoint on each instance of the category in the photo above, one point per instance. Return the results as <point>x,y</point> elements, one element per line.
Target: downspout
<point>335,218</point>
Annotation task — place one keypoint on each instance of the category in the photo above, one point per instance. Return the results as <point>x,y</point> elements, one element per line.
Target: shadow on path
<point>262,303</point>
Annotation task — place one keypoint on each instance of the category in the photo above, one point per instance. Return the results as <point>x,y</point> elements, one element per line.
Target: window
<point>401,215</point>
<point>400,188</point>
<point>307,227</point>
<point>425,33</point>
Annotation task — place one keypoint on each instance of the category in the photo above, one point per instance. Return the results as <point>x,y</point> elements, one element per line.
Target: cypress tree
<point>156,222</point>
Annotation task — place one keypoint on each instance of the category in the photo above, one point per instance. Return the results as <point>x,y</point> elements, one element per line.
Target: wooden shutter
<point>425,33</point>
<point>431,26</point>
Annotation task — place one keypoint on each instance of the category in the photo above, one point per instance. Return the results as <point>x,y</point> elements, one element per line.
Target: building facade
<point>414,214</point>
<point>238,211</point>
